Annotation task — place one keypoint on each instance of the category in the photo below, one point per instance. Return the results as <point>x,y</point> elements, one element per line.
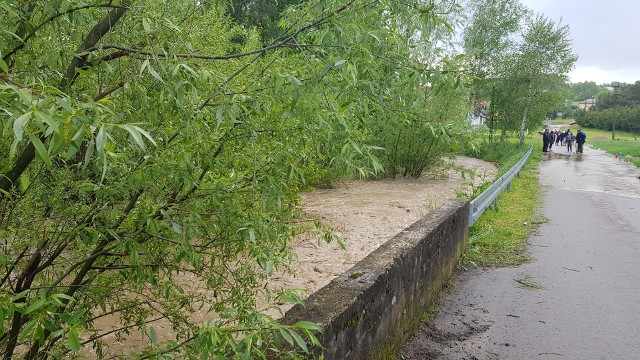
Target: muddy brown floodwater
<point>365,214</point>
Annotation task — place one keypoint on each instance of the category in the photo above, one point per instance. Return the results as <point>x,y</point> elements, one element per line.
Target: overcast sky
<point>605,36</point>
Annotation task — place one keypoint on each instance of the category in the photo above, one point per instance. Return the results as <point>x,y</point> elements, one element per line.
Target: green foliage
<point>505,155</point>
<point>521,66</point>
<point>263,15</point>
<point>585,90</point>
<point>151,155</point>
<point>416,143</point>
<point>621,106</point>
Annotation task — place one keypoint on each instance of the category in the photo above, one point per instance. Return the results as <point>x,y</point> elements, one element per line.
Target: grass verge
<point>630,149</point>
<point>499,237</point>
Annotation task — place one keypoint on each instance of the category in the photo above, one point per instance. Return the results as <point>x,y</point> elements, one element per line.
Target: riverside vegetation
<point>146,146</point>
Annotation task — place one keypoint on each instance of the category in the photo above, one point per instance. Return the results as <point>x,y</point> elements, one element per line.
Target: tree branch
<point>103,94</point>
<point>95,34</point>
<point>50,19</point>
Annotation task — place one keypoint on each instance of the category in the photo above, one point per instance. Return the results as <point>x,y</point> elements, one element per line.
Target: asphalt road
<point>579,298</point>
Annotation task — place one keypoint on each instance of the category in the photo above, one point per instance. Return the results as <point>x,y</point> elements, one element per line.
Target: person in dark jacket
<point>581,138</point>
<point>545,140</point>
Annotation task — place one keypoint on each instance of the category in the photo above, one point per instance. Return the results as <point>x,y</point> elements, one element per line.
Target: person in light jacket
<point>569,138</point>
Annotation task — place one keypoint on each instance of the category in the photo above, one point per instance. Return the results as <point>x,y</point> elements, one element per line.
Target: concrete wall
<point>371,303</point>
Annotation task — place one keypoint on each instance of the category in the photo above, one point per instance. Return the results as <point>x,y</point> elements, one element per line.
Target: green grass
<point>499,237</point>
<point>630,149</point>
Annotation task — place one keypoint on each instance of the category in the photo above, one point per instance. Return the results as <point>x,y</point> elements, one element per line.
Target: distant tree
<point>265,15</point>
<point>585,90</point>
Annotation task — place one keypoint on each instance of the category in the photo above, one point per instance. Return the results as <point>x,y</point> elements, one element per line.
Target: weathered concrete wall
<point>367,305</point>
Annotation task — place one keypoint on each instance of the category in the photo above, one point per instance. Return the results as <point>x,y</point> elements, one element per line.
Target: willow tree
<point>541,64</point>
<point>489,37</point>
<point>150,159</point>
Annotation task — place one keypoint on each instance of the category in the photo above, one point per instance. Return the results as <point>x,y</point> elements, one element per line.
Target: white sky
<point>604,34</point>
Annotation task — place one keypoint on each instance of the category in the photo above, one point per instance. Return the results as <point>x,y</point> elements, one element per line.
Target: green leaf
<point>314,340</point>
<point>74,341</point>
<point>290,298</point>
<point>35,306</point>
<point>298,339</point>
<point>75,317</point>
<point>41,150</point>
<point>19,123</point>
<point>13,149</point>
<point>286,336</point>
<point>3,66</point>
<point>19,296</point>
<point>62,296</point>
<point>219,111</point>
<point>296,82</point>
<point>101,140</point>
<point>135,134</point>
<point>269,268</point>
<point>154,73</point>
<point>45,118</point>
<point>144,66</point>
<point>26,329</point>
<point>153,335</point>
<point>146,134</point>
<point>145,25</point>
<point>307,325</point>
<point>324,72</point>
<point>176,227</point>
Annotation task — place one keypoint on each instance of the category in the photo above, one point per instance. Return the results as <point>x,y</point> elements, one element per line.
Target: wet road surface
<point>579,298</point>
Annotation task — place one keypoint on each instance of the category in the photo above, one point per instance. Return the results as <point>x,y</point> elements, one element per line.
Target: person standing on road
<point>545,140</point>
<point>552,138</point>
<point>581,137</point>
<point>569,138</point>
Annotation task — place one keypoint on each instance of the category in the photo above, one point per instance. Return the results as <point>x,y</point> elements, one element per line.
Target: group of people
<point>549,137</point>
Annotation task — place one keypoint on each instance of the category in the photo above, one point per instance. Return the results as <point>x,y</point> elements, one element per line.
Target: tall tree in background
<point>541,64</point>
<point>487,40</point>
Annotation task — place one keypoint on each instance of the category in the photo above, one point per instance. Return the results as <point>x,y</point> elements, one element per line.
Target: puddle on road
<point>593,171</point>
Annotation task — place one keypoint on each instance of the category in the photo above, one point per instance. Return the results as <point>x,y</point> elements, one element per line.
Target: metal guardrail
<point>489,197</point>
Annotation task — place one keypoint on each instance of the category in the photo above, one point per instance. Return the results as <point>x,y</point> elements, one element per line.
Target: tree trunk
<point>8,180</point>
<point>491,117</point>
<point>97,32</point>
<point>523,124</point>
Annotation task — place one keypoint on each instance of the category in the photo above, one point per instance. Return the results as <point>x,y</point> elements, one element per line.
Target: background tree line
<point>620,104</point>
<point>152,149</point>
